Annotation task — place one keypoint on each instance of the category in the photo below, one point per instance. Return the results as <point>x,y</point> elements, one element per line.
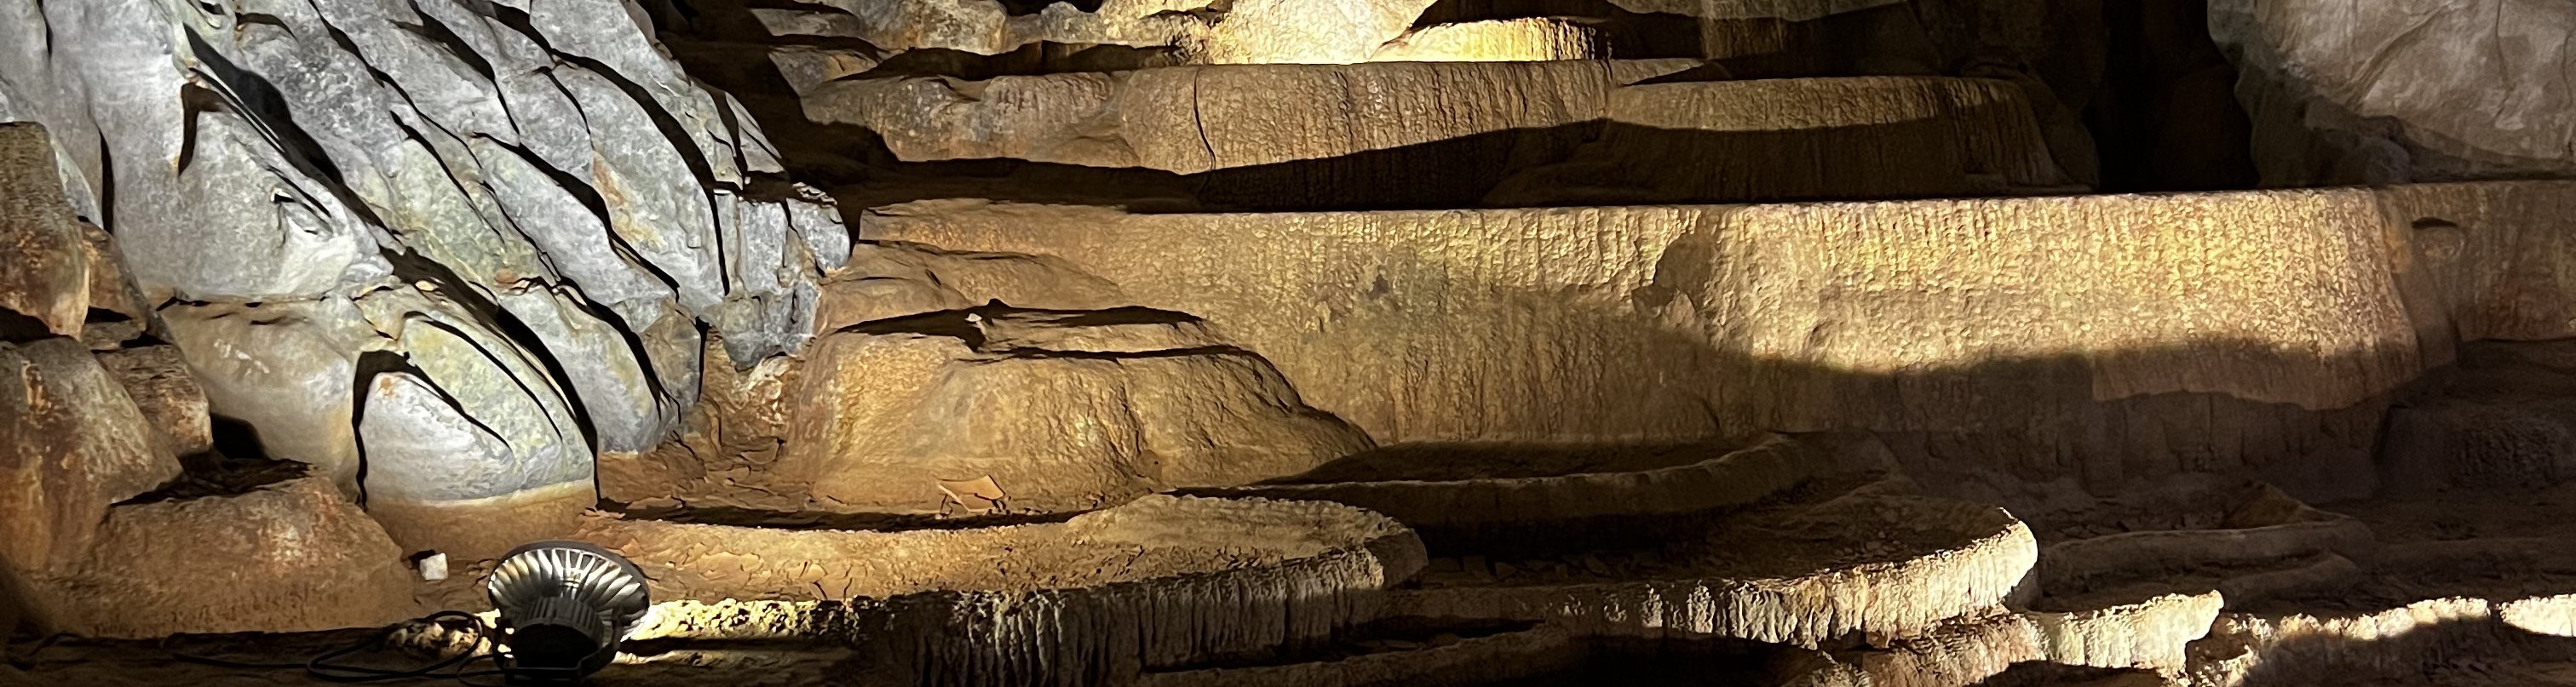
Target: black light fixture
<point>564,607</point>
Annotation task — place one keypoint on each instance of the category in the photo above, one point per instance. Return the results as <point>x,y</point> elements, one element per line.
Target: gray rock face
<point>2422,90</point>
<point>477,374</point>
<point>457,247</point>
<point>284,368</point>
<point>49,275</point>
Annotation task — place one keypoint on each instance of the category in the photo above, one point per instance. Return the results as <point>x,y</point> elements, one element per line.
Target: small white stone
<point>433,567</point>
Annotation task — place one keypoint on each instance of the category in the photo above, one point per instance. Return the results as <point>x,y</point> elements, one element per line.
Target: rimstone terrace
<point>1923,343</point>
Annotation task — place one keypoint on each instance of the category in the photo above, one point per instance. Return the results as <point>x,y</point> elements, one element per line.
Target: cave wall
<point>447,251</point>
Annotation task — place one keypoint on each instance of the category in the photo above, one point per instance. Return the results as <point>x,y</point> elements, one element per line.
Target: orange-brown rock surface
<point>49,278</point>
<point>1063,410</point>
<point>2038,318</point>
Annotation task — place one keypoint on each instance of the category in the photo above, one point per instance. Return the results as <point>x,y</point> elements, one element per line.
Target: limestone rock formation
<point>1062,409</point>
<point>1526,39</point>
<point>2248,541</point>
<point>1245,342</point>
<point>2411,90</point>
<point>76,444</point>
<point>1242,31</point>
<point>1798,573</point>
<point>890,280</point>
<point>285,370</point>
<point>173,407</point>
<point>2498,421</point>
<point>1500,495</point>
<point>1850,316</point>
<point>1513,134</point>
<point>1220,577</point>
<point>1196,119</point>
<point>49,280</point>
<point>293,556</point>
<point>529,206</point>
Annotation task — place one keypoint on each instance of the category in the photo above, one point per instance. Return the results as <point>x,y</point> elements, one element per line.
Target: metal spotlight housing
<point>564,607</point>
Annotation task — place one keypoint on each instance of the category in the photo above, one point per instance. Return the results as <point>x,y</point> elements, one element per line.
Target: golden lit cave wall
<point>2102,336</point>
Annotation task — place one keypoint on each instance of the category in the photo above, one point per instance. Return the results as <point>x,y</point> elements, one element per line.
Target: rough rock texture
<point>2500,420</point>
<point>1876,137</point>
<point>1882,564</point>
<point>2246,649</point>
<point>2147,634</point>
<point>1196,119</point>
<point>1514,134</point>
<point>285,369</point>
<point>1063,409</point>
<point>1478,499</point>
<point>109,289</point>
<point>2045,325</point>
<point>75,444</point>
<point>2410,90</point>
<point>460,418</point>
<point>1155,582</point>
<point>287,557</point>
<point>2051,49</point>
<point>286,177</point>
<point>173,407</point>
<point>48,276</point>
<point>888,280</point>
<point>1241,31</point>
<point>1526,39</point>
<point>1792,10</point>
<point>1541,650</point>
<point>1984,651</point>
<point>2259,527</point>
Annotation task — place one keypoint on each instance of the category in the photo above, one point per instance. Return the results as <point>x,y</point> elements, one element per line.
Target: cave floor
<point>2485,543</point>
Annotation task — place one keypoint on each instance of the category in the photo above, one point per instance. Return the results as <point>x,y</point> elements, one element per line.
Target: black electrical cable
<point>451,668</point>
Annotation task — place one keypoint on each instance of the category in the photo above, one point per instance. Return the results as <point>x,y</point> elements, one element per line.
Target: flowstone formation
<point>1350,342</point>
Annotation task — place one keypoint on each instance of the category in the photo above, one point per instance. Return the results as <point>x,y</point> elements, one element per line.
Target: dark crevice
<point>871,522</point>
<point>219,474</point>
<point>1047,354</point>
<point>106,184</point>
<point>672,131</point>
<point>262,18</point>
<point>411,267</point>
<point>438,32</point>
<point>16,327</point>
<point>626,334</point>
<point>260,103</point>
<point>598,206</point>
<point>370,365</point>
<point>1385,635</point>
<point>1018,8</point>
<point>193,100</point>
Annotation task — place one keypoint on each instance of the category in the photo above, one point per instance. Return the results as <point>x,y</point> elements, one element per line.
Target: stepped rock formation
<point>1536,133</point>
<point>1151,583</point>
<point>2384,92</point>
<point>1065,410</point>
<point>1241,31</point>
<point>1802,575</point>
<point>2052,313</point>
<point>1239,342</point>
